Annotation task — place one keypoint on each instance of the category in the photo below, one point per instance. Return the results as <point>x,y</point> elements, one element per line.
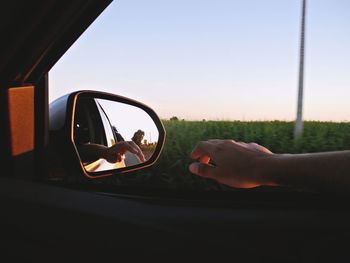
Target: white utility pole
<point>298,129</point>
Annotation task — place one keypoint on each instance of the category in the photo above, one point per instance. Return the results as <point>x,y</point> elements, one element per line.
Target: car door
<point>71,221</point>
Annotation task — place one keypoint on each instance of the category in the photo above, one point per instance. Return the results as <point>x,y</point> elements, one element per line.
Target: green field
<point>275,135</point>
<point>171,169</point>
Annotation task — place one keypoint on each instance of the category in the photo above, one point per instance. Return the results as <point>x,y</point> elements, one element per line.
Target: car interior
<point>88,123</point>
<point>48,214</point>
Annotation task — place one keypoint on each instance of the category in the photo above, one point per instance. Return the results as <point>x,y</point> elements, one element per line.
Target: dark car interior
<point>88,127</point>
<point>51,221</point>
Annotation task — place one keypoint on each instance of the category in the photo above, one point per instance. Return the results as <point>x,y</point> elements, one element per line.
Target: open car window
<point>110,138</point>
<point>88,124</point>
<point>223,70</point>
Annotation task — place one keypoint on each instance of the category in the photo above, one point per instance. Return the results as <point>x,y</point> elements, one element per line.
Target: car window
<point>218,70</point>
<point>88,125</point>
<point>110,139</point>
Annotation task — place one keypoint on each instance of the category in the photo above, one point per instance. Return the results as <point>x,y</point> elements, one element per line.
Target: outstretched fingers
<point>122,147</point>
<point>137,151</point>
<point>203,148</point>
<point>203,152</point>
<point>203,169</point>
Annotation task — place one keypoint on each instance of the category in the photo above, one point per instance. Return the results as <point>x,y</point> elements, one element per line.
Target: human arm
<point>325,171</point>
<point>245,165</point>
<point>92,152</point>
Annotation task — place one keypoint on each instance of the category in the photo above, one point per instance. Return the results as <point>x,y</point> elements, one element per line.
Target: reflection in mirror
<point>111,135</point>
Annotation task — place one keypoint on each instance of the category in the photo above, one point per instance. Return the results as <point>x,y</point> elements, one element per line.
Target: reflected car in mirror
<point>104,134</point>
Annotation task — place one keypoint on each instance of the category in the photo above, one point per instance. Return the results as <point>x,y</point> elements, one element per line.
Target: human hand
<point>232,163</point>
<point>114,153</point>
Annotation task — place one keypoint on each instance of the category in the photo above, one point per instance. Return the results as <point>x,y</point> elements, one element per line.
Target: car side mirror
<point>104,134</point>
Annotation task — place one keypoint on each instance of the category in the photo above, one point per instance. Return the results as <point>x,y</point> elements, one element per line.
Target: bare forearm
<point>329,171</point>
<point>92,151</point>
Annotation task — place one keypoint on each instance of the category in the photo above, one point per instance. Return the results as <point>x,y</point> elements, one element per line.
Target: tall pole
<point>298,129</point>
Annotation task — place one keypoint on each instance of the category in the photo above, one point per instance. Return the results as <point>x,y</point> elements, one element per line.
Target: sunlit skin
<point>113,154</point>
<point>228,162</point>
<point>247,165</point>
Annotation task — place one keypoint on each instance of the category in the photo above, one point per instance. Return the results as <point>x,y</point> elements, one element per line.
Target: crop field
<point>171,169</point>
<point>182,136</point>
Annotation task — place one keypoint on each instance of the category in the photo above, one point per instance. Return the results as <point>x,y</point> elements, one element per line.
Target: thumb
<point>204,170</point>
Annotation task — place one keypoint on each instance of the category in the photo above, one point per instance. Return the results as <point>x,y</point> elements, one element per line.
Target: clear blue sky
<point>215,59</point>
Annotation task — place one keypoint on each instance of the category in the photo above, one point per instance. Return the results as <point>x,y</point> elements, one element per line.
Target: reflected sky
<point>129,119</point>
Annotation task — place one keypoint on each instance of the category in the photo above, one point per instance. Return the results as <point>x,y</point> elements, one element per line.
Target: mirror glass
<point>110,135</point>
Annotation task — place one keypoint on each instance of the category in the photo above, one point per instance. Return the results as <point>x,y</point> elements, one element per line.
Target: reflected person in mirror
<point>247,165</point>
<point>90,152</point>
<point>90,136</point>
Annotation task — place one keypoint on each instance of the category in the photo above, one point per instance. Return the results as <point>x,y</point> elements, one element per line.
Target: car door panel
<point>47,214</point>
